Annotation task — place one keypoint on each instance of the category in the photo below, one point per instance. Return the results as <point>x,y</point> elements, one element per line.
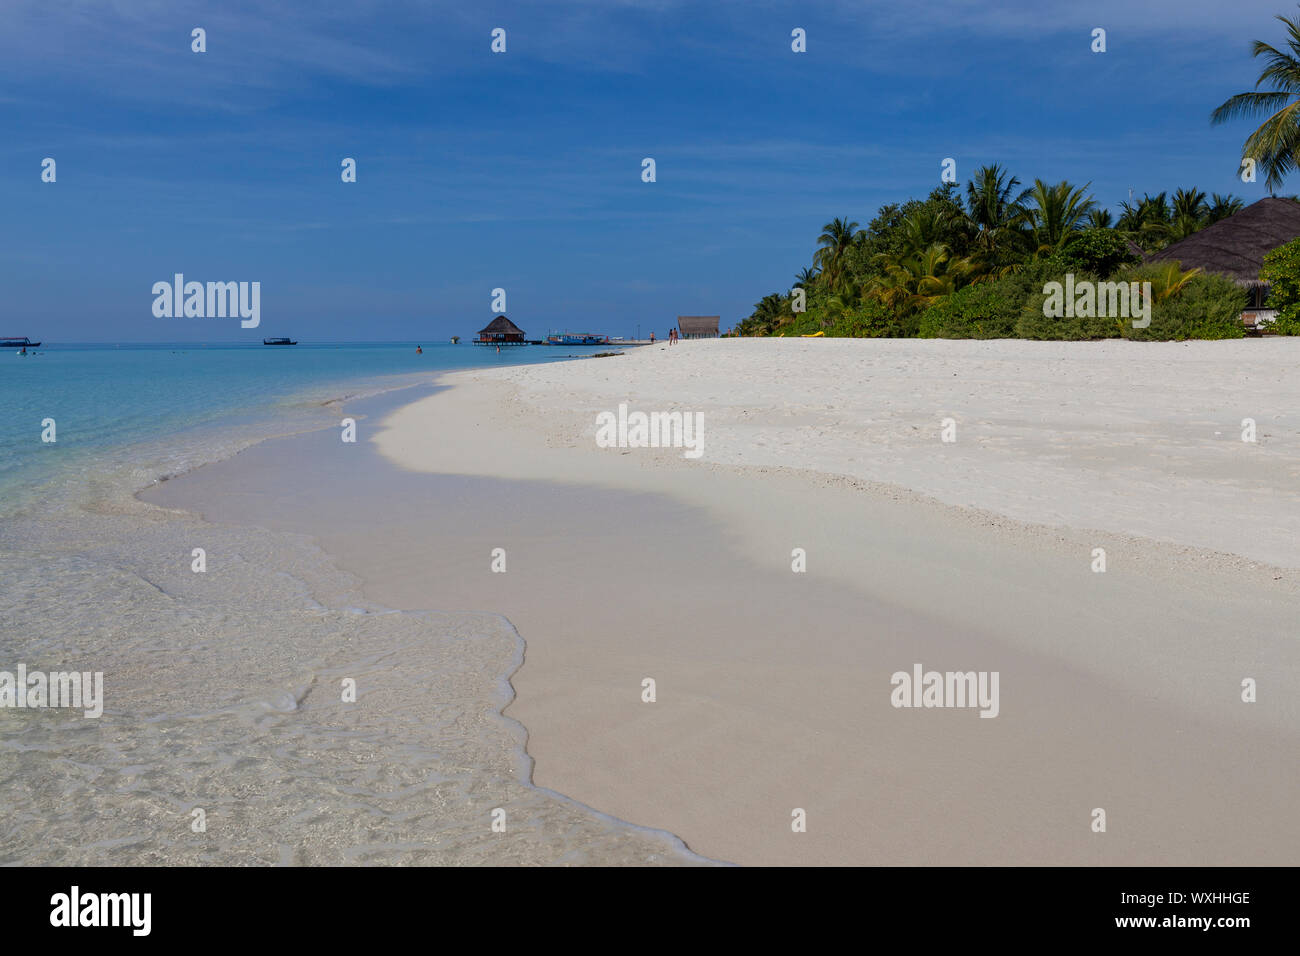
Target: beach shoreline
<point>258,708</point>
<point>777,699</point>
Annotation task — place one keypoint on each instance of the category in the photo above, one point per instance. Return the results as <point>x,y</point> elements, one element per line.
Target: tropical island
<point>978,263</point>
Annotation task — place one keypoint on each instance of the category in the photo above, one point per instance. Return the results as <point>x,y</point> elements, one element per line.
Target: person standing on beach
<point>652,338</point>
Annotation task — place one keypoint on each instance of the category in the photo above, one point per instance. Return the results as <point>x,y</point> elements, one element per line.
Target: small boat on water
<point>17,343</point>
<point>576,338</point>
<point>278,342</point>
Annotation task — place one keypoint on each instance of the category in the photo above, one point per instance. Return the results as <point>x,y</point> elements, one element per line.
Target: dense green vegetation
<point>974,265</point>
<point>979,263</point>
<point>1282,271</point>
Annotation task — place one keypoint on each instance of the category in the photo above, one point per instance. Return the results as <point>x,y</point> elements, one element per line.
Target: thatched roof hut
<point>501,331</point>
<point>1235,247</point>
<point>697,326</point>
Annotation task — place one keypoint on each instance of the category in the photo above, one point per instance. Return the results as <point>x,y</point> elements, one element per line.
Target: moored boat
<point>10,342</point>
<point>576,338</point>
<point>278,342</point>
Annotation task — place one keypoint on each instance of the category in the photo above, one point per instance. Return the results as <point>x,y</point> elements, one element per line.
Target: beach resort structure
<point>500,331</point>
<point>1235,247</point>
<point>697,326</point>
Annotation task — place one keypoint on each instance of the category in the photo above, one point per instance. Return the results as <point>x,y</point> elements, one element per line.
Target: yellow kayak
<point>814,335</point>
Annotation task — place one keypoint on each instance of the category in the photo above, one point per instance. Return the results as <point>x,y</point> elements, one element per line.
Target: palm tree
<point>767,315</point>
<point>917,278</point>
<point>923,228</point>
<point>1221,207</point>
<point>805,277</point>
<point>1148,223</point>
<point>1155,209</point>
<point>1100,219</point>
<point>1053,212</point>
<point>1129,220</point>
<point>1169,279</point>
<point>1275,143</point>
<point>1189,204</point>
<point>993,207</point>
<point>845,300</point>
<point>1186,214</point>
<point>835,240</point>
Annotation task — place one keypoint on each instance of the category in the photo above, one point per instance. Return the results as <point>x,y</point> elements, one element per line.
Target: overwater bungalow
<point>1235,248</point>
<point>501,331</point>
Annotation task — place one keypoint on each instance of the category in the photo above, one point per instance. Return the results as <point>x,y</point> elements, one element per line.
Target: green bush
<point>872,320</point>
<point>803,323</point>
<point>1286,323</point>
<point>1033,324</point>
<point>1099,251</point>
<point>1282,271</point>
<point>1207,307</point>
<point>988,310</point>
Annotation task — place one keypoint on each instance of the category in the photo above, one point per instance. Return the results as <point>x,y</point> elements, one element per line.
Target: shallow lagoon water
<point>230,734</point>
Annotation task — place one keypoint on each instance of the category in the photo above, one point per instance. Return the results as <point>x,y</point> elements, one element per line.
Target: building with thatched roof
<point>697,326</point>
<point>1235,247</point>
<point>500,331</point>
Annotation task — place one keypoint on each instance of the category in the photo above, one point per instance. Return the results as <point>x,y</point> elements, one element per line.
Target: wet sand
<point>1117,690</point>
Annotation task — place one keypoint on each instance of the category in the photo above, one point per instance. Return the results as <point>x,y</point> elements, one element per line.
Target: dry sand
<point>1119,691</point>
<point>1143,438</point>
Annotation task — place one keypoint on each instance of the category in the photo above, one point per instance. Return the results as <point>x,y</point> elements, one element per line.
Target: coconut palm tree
<point>1189,204</point>
<point>1148,223</point>
<point>1221,207</point>
<point>1275,143</point>
<point>835,240</point>
<point>923,228</point>
<point>805,278</point>
<point>1128,218</point>
<point>845,300</point>
<point>1155,209</point>
<point>767,315</point>
<point>917,278</point>
<point>994,208</point>
<point>1053,212</point>
<point>1100,219</point>
<point>1187,213</point>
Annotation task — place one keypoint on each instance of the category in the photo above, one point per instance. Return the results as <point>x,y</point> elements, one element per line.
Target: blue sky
<point>522,170</point>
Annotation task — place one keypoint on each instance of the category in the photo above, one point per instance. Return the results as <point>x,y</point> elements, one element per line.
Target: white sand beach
<point>1128,437</point>
<point>1119,690</point>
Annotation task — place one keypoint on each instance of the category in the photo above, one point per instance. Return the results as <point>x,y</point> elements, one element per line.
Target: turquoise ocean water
<point>174,405</point>
<point>222,684</point>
